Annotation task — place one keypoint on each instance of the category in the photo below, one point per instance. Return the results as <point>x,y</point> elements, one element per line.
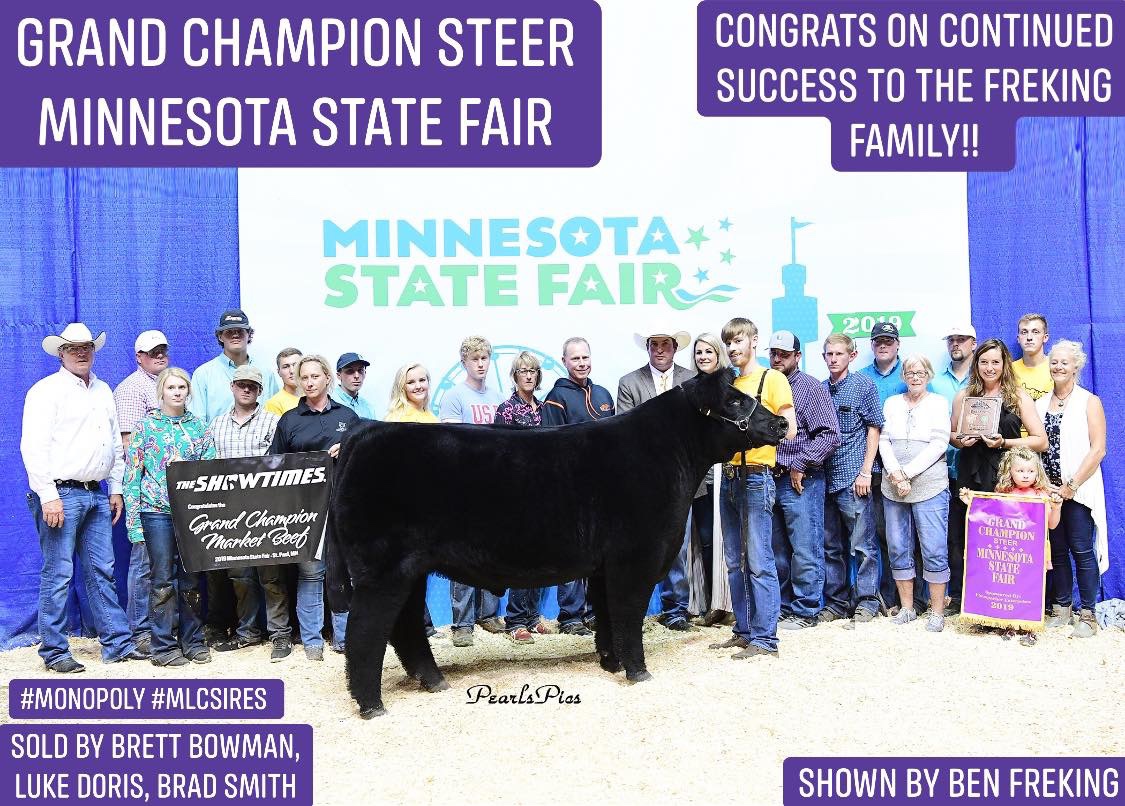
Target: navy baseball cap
<point>351,358</point>
<point>233,319</point>
<point>884,329</point>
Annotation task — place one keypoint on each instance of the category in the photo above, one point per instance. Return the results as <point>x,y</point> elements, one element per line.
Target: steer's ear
<point>729,374</point>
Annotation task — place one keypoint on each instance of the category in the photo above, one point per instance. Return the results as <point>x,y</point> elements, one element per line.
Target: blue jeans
<point>747,502</point>
<point>849,531</point>
<point>140,592</point>
<point>523,608</point>
<point>675,588</point>
<point>471,605</point>
<point>887,589</point>
<point>175,592</point>
<point>87,530</point>
<point>798,544</point>
<point>310,602</point>
<point>1074,536</point>
<point>928,519</point>
<point>573,607</point>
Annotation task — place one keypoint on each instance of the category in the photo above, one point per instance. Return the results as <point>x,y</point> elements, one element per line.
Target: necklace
<point>1061,401</point>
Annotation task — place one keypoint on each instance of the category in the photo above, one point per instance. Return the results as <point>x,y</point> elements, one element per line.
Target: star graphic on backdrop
<point>696,237</point>
<point>701,275</point>
<point>579,236</point>
<point>591,284</point>
<point>658,237</point>
<point>420,286</point>
<point>724,224</point>
<point>659,278</point>
<point>726,256</point>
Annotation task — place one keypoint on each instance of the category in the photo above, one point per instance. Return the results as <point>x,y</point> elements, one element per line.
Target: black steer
<point>501,508</point>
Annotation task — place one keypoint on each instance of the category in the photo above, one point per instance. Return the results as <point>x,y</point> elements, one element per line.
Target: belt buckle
<point>729,471</point>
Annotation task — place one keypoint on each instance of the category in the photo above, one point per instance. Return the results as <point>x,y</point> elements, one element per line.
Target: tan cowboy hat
<point>74,333</point>
<point>681,337</point>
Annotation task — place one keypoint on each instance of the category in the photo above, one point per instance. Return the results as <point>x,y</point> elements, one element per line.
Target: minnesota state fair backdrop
<point>685,223</point>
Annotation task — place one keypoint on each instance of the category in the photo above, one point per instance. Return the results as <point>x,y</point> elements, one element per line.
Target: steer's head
<point>746,423</point>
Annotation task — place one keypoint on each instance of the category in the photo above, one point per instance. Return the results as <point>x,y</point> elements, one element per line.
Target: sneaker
<point>522,635</point>
<point>462,636</point>
<point>754,651</point>
<point>66,666</point>
<point>282,649</point>
<point>863,615</point>
<point>542,628</point>
<point>734,642</point>
<point>826,615</point>
<point>340,647</point>
<point>171,660</point>
<point>493,625</point>
<point>199,654</point>
<point>796,623</point>
<point>575,629</point>
<point>935,623</point>
<point>904,616</point>
<point>236,643</point>
<point>1087,626</point>
<point>314,652</point>
<point>678,625</point>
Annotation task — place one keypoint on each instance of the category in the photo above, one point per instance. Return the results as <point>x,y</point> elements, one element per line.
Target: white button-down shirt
<point>70,431</point>
<point>662,380</point>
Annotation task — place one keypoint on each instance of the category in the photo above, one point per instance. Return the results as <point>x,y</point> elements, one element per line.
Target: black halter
<point>742,423</point>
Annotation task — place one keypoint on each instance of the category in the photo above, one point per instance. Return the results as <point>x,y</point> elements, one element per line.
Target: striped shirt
<point>135,397</point>
<point>857,408</point>
<point>818,431</point>
<point>251,438</point>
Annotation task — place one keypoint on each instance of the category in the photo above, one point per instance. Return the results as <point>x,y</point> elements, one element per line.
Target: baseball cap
<point>884,329</point>
<point>351,358</point>
<point>148,340</point>
<point>233,319</point>
<point>784,340</point>
<point>249,373</point>
<point>961,330</point>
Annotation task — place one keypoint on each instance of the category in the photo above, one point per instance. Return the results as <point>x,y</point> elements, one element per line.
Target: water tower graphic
<point>796,311</point>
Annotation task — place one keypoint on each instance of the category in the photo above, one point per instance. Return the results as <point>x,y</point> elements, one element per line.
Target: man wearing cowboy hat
<point>659,375</point>
<point>71,443</point>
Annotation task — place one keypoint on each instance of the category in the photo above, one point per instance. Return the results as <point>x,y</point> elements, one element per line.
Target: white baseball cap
<point>961,330</point>
<point>148,340</point>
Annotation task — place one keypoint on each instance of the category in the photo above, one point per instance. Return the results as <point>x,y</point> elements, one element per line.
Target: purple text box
<point>257,764</point>
<point>997,781</point>
<point>146,699</point>
<point>496,83</point>
<point>912,86</point>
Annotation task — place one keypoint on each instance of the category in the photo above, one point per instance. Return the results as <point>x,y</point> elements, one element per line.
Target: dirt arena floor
<point>706,729</point>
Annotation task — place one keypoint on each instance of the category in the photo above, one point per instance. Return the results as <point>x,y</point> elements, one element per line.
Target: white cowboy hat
<point>74,333</point>
<point>681,337</point>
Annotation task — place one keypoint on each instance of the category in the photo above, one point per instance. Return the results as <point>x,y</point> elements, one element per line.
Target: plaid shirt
<point>252,438</point>
<point>135,397</point>
<point>818,431</point>
<point>857,408</point>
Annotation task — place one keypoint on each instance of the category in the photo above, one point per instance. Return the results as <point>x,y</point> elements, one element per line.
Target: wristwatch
<point>1070,483</point>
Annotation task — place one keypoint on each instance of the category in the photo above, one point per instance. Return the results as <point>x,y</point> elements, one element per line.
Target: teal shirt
<point>947,385</point>
<point>357,404</point>
<point>210,386</point>
<point>158,441</point>
<point>887,385</point>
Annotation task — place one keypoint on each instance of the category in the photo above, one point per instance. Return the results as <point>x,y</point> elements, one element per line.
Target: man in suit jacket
<point>660,374</point>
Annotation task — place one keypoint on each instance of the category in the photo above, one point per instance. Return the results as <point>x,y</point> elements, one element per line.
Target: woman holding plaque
<point>1076,433</point>
<point>168,434</point>
<point>916,488</point>
<point>982,444</point>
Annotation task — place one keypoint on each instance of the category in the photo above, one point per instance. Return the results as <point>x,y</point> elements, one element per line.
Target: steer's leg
<point>603,638</point>
<point>628,599</point>
<point>409,641</point>
<point>374,609</point>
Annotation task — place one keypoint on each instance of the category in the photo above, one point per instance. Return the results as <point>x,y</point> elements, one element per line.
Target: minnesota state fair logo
<point>498,262</point>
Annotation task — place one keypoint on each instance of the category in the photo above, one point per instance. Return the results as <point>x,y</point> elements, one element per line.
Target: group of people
<point>859,510</point>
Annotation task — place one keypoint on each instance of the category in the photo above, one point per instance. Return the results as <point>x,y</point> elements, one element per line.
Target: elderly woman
<point>522,410</point>
<point>991,376</point>
<point>710,356</point>
<point>318,423</point>
<point>915,488</point>
<point>168,434</point>
<point>410,396</point>
<point>1075,423</point>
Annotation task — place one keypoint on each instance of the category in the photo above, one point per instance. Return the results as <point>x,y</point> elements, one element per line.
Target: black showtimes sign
<point>259,510</point>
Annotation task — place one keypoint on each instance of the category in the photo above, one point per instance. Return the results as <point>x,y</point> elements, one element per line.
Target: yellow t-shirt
<point>282,402</point>
<point>776,395</point>
<point>410,415</point>
<point>1036,381</point>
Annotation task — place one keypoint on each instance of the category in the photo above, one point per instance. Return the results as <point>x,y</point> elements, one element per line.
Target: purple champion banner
<point>1005,561</point>
<point>912,86</point>
<point>996,781</point>
<point>336,83</point>
<point>249,764</point>
<point>146,699</point>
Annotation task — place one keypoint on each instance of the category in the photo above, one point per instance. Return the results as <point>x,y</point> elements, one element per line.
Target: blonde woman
<point>410,396</point>
<point>168,434</point>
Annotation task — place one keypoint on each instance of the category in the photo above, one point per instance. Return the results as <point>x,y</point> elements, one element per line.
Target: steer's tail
<point>337,576</point>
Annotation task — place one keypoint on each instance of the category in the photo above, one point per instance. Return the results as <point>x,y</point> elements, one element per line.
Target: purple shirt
<point>818,431</point>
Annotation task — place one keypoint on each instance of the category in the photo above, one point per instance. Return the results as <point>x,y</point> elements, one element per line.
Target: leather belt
<point>741,471</point>
<point>92,486</point>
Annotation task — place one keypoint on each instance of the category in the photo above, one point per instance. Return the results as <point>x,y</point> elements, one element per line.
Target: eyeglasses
<point>78,348</point>
<point>527,372</point>
<point>915,373</point>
